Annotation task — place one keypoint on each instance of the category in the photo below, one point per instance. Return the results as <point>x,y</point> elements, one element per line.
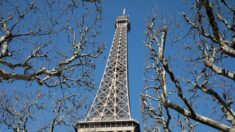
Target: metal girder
<point>112,99</point>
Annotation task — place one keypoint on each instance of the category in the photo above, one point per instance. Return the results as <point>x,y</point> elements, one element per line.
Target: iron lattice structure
<point>112,99</point>
<point>110,110</point>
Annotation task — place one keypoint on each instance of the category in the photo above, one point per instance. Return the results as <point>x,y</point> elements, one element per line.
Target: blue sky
<point>138,10</point>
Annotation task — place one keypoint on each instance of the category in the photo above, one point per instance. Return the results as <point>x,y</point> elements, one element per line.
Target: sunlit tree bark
<point>210,55</point>
<point>50,46</point>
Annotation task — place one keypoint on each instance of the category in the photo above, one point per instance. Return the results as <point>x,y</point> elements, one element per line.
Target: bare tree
<point>14,113</point>
<point>27,31</point>
<point>19,111</point>
<point>50,44</point>
<point>195,85</point>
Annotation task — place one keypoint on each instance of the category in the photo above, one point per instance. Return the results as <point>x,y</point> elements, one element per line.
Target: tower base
<point>108,126</point>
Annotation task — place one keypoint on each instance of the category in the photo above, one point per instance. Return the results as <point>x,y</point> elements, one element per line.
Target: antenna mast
<point>124,12</point>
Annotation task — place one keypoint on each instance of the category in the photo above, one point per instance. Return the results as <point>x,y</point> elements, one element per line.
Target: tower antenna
<point>124,12</point>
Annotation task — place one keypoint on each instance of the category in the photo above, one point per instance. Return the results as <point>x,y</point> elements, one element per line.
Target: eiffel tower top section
<point>112,99</point>
<point>124,19</point>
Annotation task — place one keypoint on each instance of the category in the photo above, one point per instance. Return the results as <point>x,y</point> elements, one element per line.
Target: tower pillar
<point>110,110</point>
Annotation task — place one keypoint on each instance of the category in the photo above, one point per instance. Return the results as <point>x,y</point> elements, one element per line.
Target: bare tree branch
<point>200,118</point>
<point>47,44</point>
<point>204,76</point>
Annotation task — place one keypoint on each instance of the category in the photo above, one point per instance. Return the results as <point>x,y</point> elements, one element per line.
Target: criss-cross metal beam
<point>110,110</point>
<point>112,99</point>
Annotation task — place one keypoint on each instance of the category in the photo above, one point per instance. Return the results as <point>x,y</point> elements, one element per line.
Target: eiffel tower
<point>110,110</point>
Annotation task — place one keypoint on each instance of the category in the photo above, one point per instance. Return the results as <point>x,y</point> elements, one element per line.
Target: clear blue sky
<point>138,10</point>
